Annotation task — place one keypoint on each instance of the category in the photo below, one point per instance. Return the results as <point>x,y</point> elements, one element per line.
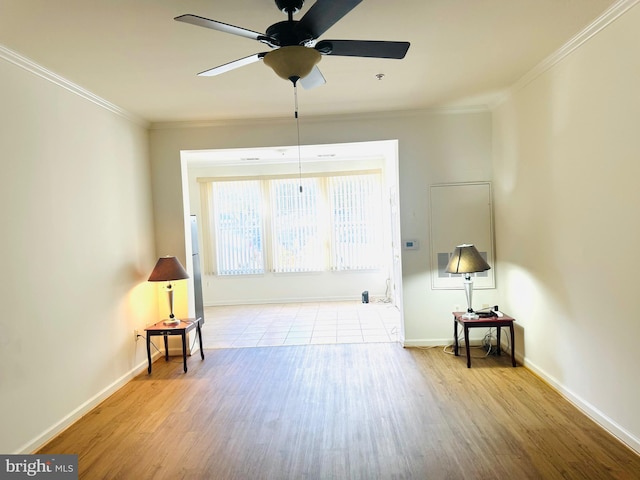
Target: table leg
<point>199,331</point>
<point>466,345</point>
<point>149,352</point>
<point>455,337</point>
<point>499,347</point>
<point>184,350</point>
<point>513,345</point>
<point>166,348</point>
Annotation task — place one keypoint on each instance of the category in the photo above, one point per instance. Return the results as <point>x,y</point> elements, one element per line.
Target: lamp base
<point>171,322</point>
<point>470,316</point>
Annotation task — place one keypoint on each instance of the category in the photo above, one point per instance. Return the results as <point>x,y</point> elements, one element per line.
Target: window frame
<point>208,211</point>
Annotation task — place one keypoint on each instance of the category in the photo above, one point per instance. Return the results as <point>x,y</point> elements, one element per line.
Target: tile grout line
<point>268,324</point>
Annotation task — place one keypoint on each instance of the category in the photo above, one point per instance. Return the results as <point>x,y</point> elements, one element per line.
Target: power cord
<point>387,292</point>
<point>491,350</point>
<point>461,342</point>
<point>486,342</point>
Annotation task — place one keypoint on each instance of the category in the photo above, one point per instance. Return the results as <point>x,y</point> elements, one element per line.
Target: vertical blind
<point>237,208</point>
<point>357,229</point>
<point>333,222</point>
<point>297,242</point>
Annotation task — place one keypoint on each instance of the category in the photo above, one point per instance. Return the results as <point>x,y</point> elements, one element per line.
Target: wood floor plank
<point>363,411</point>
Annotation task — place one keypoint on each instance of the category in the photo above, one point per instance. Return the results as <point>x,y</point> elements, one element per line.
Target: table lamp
<point>467,260</point>
<point>168,269</point>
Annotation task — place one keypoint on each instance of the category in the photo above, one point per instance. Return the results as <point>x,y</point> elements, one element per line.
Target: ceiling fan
<point>295,46</point>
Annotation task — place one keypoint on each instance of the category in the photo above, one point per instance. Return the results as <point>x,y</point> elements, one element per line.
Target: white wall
<point>77,245</point>
<point>566,172</point>
<point>433,148</point>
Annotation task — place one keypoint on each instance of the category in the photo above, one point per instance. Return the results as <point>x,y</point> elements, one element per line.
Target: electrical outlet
<point>456,308</point>
<point>135,335</point>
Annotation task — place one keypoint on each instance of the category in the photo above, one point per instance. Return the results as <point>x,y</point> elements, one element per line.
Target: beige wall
<point>77,245</point>
<point>433,148</point>
<point>566,170</point>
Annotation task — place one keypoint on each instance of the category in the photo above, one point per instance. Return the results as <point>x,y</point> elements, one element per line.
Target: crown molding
<point>458,110</point>
<point>217,122</point>
<point>607,18</point>
<point>32,67</point>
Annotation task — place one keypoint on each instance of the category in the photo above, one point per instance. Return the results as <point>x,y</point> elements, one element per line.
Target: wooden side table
<point>467,323</point>
<point>185,326</point>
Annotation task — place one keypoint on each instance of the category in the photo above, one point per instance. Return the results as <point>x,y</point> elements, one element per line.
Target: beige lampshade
<point>167,269</point>
<point>466,259</point>
<point>292,62</point>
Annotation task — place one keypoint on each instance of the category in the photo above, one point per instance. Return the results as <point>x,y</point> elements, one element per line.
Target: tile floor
<point>300,324</point>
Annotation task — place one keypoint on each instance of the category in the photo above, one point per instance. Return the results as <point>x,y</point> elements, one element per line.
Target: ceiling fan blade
<point>324,14</point>
<point>363,48</point>
<point>221,27</point>
<point>232,65</point>
<point>313,80</point>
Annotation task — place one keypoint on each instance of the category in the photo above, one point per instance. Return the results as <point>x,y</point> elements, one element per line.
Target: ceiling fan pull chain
<point>295,98</point>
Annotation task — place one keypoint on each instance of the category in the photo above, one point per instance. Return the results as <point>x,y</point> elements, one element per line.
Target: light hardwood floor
<point>361,411</point>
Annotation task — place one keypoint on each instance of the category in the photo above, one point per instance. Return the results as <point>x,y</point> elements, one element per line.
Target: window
<point>238,227</point>
<point>356,225</point>
<point>291,224</point>
<point>296,232</point>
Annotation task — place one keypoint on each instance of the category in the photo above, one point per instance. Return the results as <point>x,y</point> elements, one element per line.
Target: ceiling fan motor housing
<point>288,33</point>
<point>290,6</point>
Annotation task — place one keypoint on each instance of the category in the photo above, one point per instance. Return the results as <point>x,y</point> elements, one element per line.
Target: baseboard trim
<point>445,342</point>
<point>585,407</point>
<point>620,433</point>
<point>373,298</point>
<point>415,342</point>
<point>59,427</point>
<point>624,436</point>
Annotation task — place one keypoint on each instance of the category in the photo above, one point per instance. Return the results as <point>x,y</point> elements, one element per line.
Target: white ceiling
<point>134,55</point>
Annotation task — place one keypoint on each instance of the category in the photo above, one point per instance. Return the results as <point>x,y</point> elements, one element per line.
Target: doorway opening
<point>283,296</point>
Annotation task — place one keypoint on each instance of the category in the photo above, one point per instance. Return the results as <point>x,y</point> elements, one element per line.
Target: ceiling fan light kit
<point>293,62</point>
<point>296,51</point>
